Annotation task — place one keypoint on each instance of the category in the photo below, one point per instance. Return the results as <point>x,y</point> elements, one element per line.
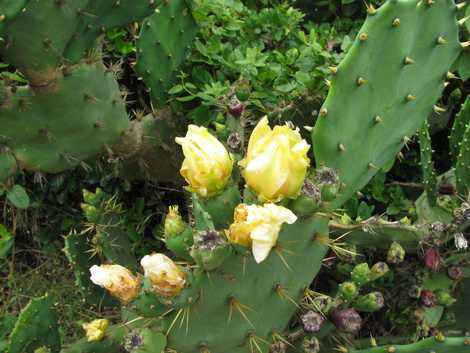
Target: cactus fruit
<point>163,45</point>
<point>36,327</point>
<point>381,93</point>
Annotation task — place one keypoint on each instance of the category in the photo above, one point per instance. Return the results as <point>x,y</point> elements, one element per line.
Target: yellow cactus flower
<point>276,162</point>
<point>207,165</point>
<point>118,280</point>
<point>259,227</point>
<point>96,329</point>
<point>166,277</point>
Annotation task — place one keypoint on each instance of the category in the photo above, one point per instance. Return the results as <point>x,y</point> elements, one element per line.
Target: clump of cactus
<point>238,269</point>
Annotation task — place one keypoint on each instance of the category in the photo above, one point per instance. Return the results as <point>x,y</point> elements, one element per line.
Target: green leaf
<point>18,197</point>
<point>6,241</point>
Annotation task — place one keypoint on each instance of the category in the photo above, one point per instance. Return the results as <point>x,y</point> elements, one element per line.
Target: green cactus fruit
<point>328,182</point>
<point>163,45</point>
<point>178,234</point>
<point>378,270</point>
<point>395,254</point>
<point>348,291</point>
<point>369,302</point>
<point>210,249</point>
<point>361,274</point>
<point>36,328</point>
<point>309,201</point>
<point>380,94</point>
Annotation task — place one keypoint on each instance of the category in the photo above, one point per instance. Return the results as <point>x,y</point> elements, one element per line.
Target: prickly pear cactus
<point>36,327</point>
<point>163,45</point>
<point>385,88</point>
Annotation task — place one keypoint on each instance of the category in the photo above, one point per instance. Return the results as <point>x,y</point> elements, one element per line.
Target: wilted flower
<point>432,259</point>
<point>312,321</point>
<point>167,279</point>
<point>207,165</point>
<point>460,241</point>
<point>347,320</point>
<point>118,280</point>
<point>455,272</point>
<point>96,329</point>
<point>428,298</point>
<point>276,162</point>
<point>259,227</point>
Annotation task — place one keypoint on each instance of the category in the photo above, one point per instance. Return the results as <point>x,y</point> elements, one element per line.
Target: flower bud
<point>312,321</point>
<point>432,259</point>
<point>259,226</point>
<point>310,345</point>
<point>276,162</point>
<point>460,241</point>
<point>361,274</point>
<point>395,254</point>
<point>444,298</point>
<point>346,320</point>
<point>455,272</point>
<point>369,302</point>
<point>91,198</point>
<point>428,298</point>
<point>167,279</point>
<point>96,330</point>
<point>174,224</point>
<point>378,270</point>
<point>91,212</point>
<point>207,166</point>
<point>348,290</point>
<point>118,280</point>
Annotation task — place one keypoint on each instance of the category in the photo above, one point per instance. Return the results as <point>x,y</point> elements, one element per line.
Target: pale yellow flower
<point>166,277</point>
<point>118,280</point>
<point>259,226</point>
<point>207,165</point>
<point>276,162</point>
<point>96,330</point>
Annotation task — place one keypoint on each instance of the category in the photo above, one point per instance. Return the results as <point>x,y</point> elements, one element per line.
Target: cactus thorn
<point>429,2</point>
<point>341,147</point>
<point>323,112</point>
<point>2,18</point>
<point>308,128</point>
<point>409,61</point>
<point>363,37</point>
<point>439,109</point>
<point>450,76</point>
<point>361,81</point>
<point>378,119</point>
<point>333,69</point>
<point>373,342</point>
<point>464,45</point>
<point>328,83</point>
<point>410,98</point>
<point>396,22</point>
<point>372,166</point>
<point>462,21</point>
<point>371,10</point>
<point>342,349</point>
<point>441,40</point>
<point>391,349</point>
<point>466,342</point>
<point>460,5</point>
